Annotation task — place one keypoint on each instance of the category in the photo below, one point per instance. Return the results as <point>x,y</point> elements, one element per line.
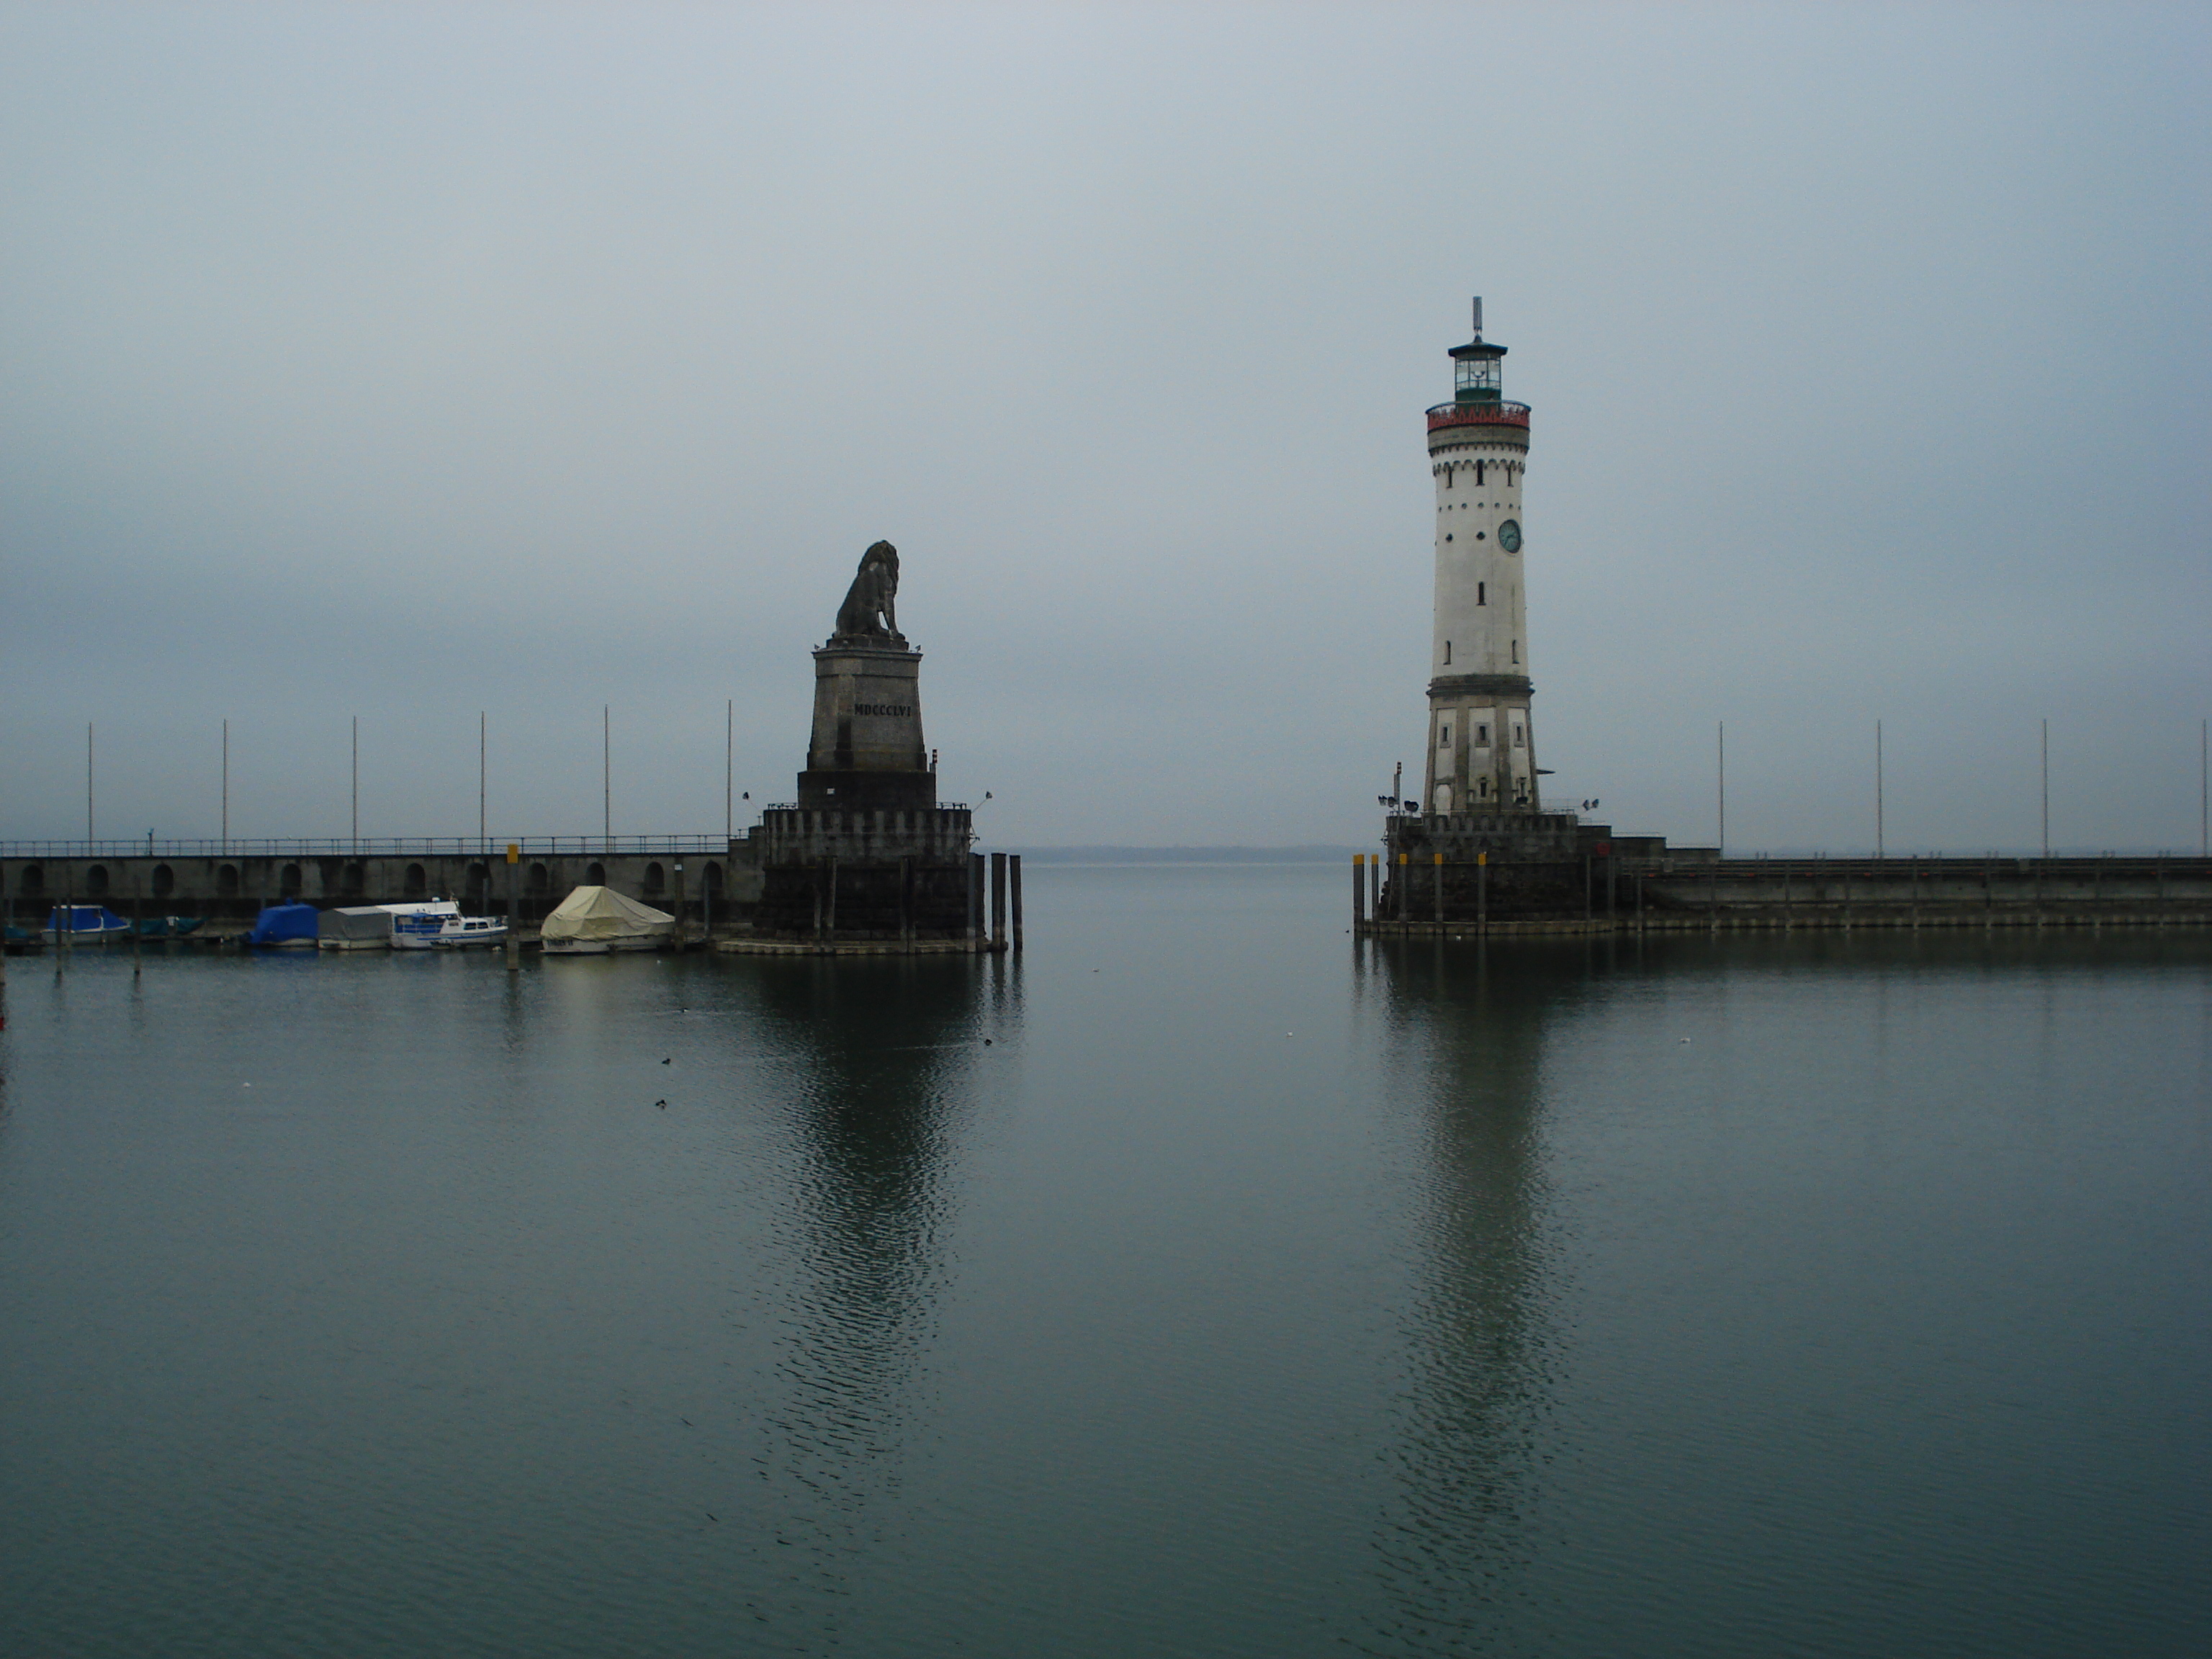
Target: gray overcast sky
<point>408,361</point>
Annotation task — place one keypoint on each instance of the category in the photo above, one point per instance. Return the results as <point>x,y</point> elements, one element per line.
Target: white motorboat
<point>416,926</point>
<point>466,933</point>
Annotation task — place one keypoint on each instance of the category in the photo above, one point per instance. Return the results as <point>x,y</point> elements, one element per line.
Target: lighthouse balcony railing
<point>1499,414</point>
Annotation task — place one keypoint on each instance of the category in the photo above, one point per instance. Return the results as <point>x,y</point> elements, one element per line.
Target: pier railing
<point>367,847</point>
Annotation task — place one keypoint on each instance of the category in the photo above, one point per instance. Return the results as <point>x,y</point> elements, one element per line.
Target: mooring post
<point>1358,889</point>
<point>1405,881</point>
<point>830,932</point>
<point>1014,882</point>
<point>1590,891</point>
<point>513,909</point>
<point>1440,890</point>
<point>974,900</point>
<point>679,906</point>
<point>1482,892</point>
<point>998,901</point>
<point>906,904</point>
<point>1375,886</point>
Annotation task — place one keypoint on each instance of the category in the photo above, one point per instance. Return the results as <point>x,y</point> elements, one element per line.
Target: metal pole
<point>2047,789</point>
<point>2204,791</point>
<point>1720,742</point>
<point>483,840</point>
<point>226,788</point>
<point>356,786</point>
<point>606,780</point>
<point>729,767</point>
<point>89,833</point>
<point>1880,845</point>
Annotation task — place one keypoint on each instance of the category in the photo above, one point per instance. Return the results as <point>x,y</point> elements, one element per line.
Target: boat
<point>167,926</point>
<point>356,928</point>
<point>595,921</point>
<point>466,933</point>
<point>416,926</point>
<point>83,924</point>
<point>285,928</point>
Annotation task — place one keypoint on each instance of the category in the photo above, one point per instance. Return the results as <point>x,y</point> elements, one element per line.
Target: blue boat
<point>286,927</point>
<point>83,924</point>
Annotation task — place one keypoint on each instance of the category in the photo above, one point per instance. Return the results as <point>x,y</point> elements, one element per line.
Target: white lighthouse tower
<point>1482,747</point>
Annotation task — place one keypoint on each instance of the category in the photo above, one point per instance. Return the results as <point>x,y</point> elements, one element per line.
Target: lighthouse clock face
<point>1509,536</point>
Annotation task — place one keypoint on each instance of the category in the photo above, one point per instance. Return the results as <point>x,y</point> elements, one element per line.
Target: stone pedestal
<point>867,860</point>
<point>867,754</point>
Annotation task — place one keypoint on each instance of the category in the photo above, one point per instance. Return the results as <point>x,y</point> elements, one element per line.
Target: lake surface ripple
<point>1201,1283</point>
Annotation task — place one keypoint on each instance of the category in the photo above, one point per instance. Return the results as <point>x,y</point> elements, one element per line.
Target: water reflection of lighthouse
<point>1483,1349</point>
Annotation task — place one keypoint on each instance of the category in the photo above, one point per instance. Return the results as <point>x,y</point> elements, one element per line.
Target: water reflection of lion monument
<point>870,611</point>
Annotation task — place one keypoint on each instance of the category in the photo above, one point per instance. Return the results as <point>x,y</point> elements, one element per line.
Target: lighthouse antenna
<point>1478,316</point>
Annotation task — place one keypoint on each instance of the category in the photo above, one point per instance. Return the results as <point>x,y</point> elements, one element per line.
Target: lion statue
<point>871,608</point>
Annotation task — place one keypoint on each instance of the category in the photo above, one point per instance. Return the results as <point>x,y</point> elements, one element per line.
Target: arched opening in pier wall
<point>417,882</point>
<point>32,881</point>
<point>95,882</point>
<point>595,875</point>
<point>226,881</point>
<point>656,878</point>
<point>288,882</point>
<point>165,881</point>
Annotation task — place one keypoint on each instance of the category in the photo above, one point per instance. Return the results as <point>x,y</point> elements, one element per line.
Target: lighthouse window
<point>1517,651</point>
<point>1478,471</point>
<point>1481,734</point>
<point>1443,736</point>
<point>1447,652</point>
<point>1518,742</point>
<point>1479,588</point>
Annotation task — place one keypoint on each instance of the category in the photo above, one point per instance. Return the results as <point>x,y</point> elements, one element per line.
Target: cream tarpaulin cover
<point>602,912</point>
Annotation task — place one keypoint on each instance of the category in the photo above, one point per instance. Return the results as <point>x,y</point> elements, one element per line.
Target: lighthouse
<point>1482,746</point>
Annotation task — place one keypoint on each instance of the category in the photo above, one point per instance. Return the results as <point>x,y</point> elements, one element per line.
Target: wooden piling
<point>998,901</point>
<point>906,902</point>
<point>1482,892</point>
<point>1014,886</point>
<point>1439,885</point>
<point>513,911</point>
<point>1358,889</point>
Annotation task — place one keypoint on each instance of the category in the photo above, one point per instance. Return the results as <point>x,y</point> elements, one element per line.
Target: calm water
<point>1202,1284</point>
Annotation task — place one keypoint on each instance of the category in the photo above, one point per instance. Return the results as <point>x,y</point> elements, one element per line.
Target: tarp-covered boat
<point>593,920</point>
<point>358,928</point>
<point>83,924</point>
<point>167,926</point>
<point>292,927</point>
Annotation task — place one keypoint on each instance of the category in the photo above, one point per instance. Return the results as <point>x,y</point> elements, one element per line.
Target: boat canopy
<point>602,912</point>
<point>360,921</point>
<point>282,924</point>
